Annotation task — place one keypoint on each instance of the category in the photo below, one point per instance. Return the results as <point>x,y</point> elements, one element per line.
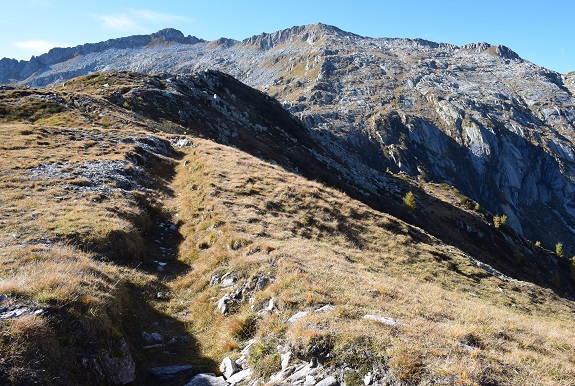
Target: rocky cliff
<point>478,117</point>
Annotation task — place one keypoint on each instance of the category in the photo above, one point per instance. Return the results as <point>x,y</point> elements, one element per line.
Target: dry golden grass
<point>56,233</point>
<point>73,251</point>
<point>321,247</point>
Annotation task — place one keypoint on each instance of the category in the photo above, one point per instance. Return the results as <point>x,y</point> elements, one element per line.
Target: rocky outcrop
<point>119,367</point>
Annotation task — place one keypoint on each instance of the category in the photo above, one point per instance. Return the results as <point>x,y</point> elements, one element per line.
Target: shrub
<point>559,250</point>
<point>407,365</point>
<point>409,201</point>
<point>463,201</point>
<point>499,221</point>
<point>264,357</point>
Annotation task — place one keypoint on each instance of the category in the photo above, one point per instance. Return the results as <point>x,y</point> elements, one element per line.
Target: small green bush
<point>559,250</point>
<point>353,379</point>
<point>409,201</point>
<point>499,221</point>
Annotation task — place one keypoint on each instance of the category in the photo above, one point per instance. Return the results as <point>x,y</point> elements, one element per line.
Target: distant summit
<point>501,51</point>
<point>308,33</point>
<point>57,66</point>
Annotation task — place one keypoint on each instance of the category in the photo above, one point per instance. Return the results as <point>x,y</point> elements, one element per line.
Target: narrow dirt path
<point>158,337</point>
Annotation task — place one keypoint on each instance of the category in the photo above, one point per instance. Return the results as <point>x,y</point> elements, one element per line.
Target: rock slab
<point>169,373</point>
<point>207,380</point>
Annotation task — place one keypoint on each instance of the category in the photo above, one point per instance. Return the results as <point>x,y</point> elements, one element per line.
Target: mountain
<point>163,228</point>
<point>155,226</point>
<point>478,117</point>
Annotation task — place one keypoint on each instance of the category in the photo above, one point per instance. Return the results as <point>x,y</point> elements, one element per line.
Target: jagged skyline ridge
<point>538,32</point>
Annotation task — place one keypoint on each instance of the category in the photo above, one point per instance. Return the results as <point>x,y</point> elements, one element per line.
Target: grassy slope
<point>324,248</point>
<point>238,214</point>
<point>76,244</point>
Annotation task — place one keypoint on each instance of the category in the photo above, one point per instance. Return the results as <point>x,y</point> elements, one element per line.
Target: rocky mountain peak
<point>174,35</point>
<point>499,50</point>
<point>169,33</point>
<point>310,34</point>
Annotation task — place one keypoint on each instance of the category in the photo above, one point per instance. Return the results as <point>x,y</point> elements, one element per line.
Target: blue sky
<point>540,31</point>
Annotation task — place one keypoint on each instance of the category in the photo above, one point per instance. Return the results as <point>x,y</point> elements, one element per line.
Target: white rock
<point>368,379</point>
<point>301,373</point>
<point>382,320</point>
<point>326,308</point>
<point>271,305</point>
<point>467,347</point>
<point>298,316</point>
<point>240,376</point>
<point>309,380</point>
<point>222,304</point>
<point>207,380</point>
<point>328,381</point>
<point>228,367</point>
<point>285,358</point>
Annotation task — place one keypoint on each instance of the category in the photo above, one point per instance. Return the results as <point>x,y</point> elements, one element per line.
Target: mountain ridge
<point>173,35</point>
<point>408,105</point>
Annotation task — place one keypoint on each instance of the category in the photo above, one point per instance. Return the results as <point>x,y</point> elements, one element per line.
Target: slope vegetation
<point>160,221</point>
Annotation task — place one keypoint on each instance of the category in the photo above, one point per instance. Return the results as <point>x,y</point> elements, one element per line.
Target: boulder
<point>222,304</point>
<point>263,282</point>
<point>153,338</point>
<point>304,371</point>
<point>119,367</point>
<point>228,367</point>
